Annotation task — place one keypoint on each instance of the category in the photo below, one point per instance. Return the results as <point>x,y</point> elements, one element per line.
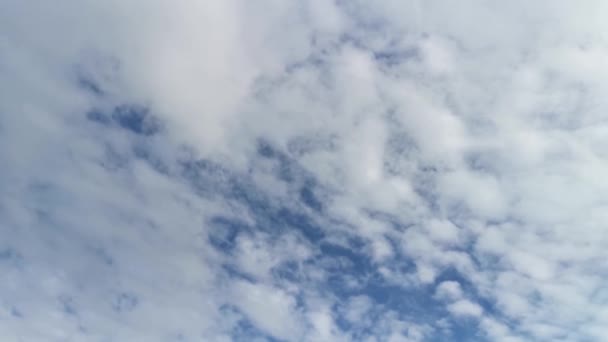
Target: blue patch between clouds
<point>391,58</point>
<point>16,313</point>
<point>223,232</point>
<point>90,85</point>
<point>359,262</point>
<point>125,302</point>
<point>343,263</point>
<point>67,305</point>
<point>234,273</point>
<point>9,254</point>
<point>308,197</point>
<point>213,180</point>
<point>102,255</point>
<point>289,271</point>
<point>134,118</point>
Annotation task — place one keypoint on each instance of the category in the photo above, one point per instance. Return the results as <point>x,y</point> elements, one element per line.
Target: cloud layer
<point>303,171</point>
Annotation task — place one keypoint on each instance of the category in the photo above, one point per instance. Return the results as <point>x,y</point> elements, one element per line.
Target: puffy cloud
<point>271,309</point>
<point>449,290</point>
<point>465,308</point>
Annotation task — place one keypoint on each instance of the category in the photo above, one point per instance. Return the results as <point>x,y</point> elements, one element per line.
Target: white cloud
<point>259,255</point>
<point>442,231</point>
<point>357,308</point>
<point>465,308</point>
<point>270,309</point>
<point>324,327</point>
<point>449,290</point>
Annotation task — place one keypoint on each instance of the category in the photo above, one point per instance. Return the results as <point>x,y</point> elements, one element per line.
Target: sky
<point>308,170</point>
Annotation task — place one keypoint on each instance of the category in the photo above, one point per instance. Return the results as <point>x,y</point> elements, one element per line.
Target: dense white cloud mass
<point>307,170</point>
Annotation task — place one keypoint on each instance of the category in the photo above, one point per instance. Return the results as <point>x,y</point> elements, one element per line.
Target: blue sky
<point>303,171</point>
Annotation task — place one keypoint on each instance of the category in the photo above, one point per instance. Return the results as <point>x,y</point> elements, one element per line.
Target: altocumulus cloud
<point>303,170</point>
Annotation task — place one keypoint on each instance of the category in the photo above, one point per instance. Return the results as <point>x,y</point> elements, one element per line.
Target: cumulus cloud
<point>303,171</point>
<point>465,308</point>
<point>449,290</point>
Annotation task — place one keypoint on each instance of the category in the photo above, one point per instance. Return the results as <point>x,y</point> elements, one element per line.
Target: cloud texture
<point>303,170</point>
